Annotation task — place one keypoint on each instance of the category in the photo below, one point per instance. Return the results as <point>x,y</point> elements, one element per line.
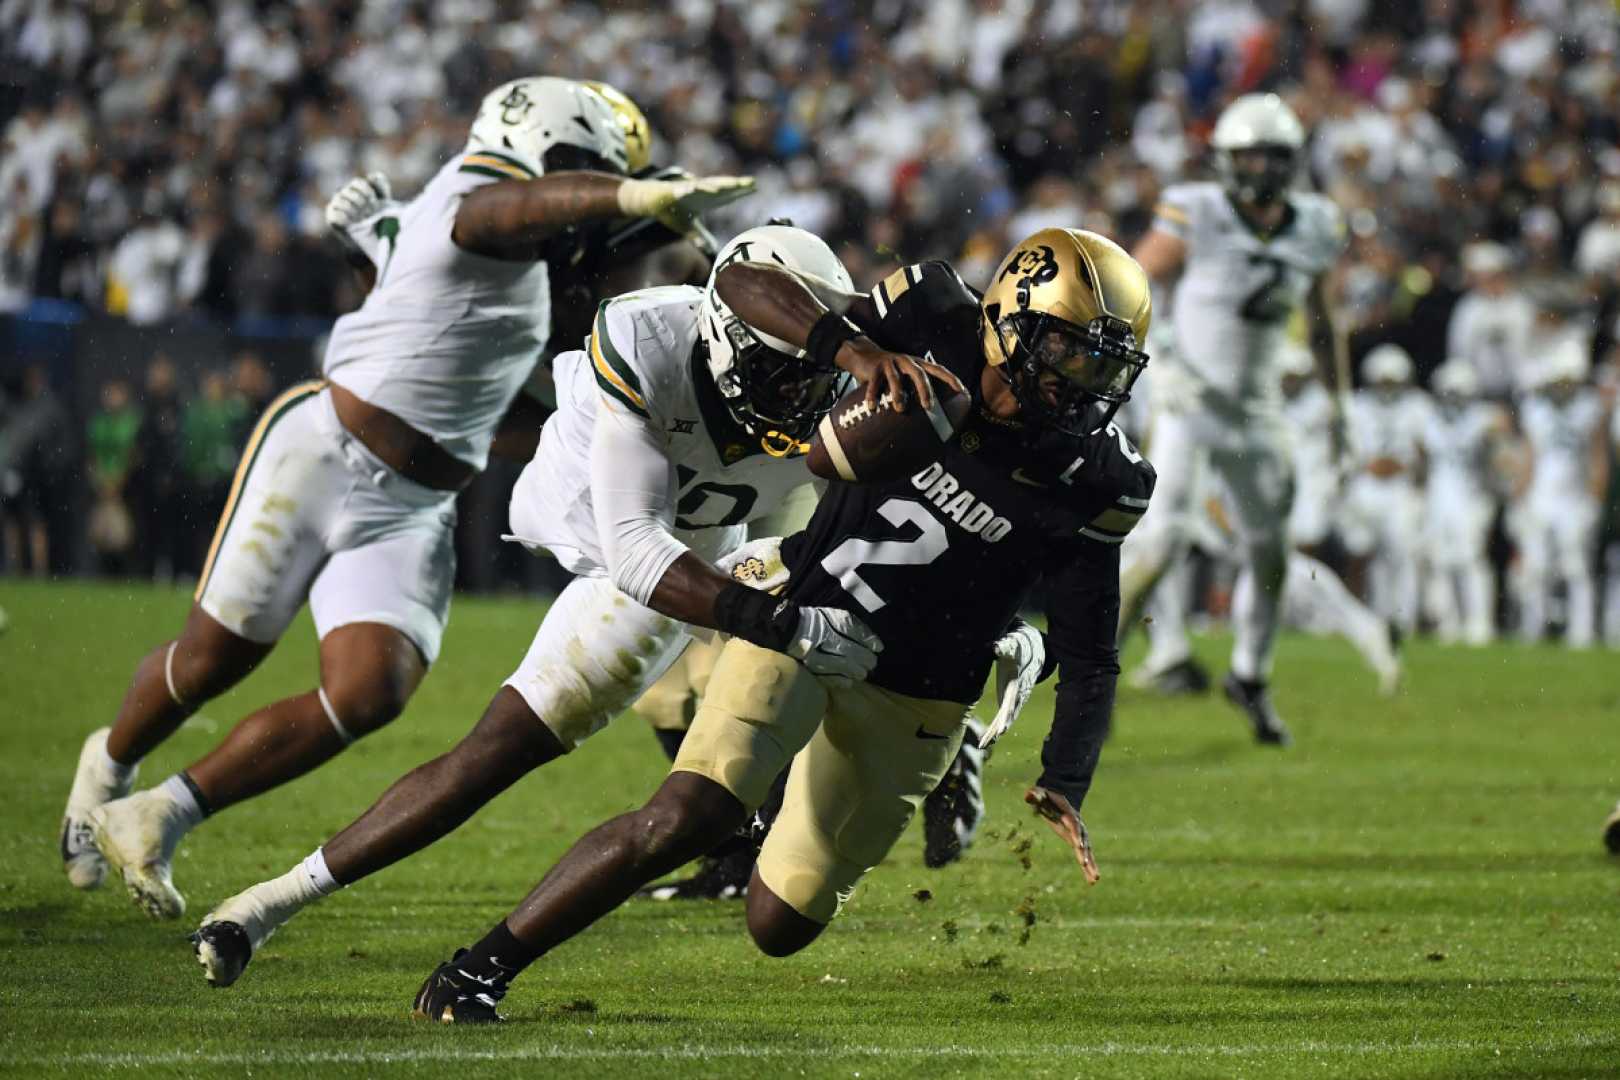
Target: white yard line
<point>555,1052</point>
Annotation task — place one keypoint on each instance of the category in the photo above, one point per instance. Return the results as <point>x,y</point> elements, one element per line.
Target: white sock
<point>116,771</point>
<point>186,811</point>
<point>320,878</point>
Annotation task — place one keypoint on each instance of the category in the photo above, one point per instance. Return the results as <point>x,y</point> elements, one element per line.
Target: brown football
<point>859,443</point>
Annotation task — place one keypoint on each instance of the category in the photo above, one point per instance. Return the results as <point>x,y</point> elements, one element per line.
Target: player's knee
<point>777,929</point>
<point>361,702</point>
<point>687,817</point>
<point>206,660</point>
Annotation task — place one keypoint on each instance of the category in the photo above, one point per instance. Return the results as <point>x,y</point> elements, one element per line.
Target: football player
<point>1248,251</point>
<point>1383,501</point>
<point>1459,443</point>
<point>1030,498</point>
<point>1565,424</point>
<point>345,496</point>
<point>678,424</point>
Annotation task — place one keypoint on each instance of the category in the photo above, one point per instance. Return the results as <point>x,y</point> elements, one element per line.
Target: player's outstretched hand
<point>757,564</point>
<point>357,200</point>
<point>895,375</point>
<point>1020,654</point>
<point>679,203</point>
<point>1065,821</point>
<point>834,644</point>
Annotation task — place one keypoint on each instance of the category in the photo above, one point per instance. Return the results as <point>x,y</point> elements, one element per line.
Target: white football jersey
<point>446,338</point>
<point>640,357</point>
<point>1238,288</point>
<point>1389,427</point>
<point>1560,436</point>
<point>1456,443</point>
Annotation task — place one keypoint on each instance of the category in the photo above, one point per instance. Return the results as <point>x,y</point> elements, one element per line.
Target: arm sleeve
<point>633,490</point>
<point>1082,613</point>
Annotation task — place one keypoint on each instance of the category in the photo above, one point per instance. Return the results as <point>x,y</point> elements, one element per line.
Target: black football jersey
<point>939,564</point>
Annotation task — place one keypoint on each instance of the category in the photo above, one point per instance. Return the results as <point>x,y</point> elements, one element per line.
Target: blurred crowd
<point>165,160</point>
<point>155,459</point>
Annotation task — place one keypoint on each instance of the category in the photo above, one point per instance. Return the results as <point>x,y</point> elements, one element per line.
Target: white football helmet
<point>1567,361</point>
<point>547,124</point>
<point>1456,379</point>
<point>1387,364</point>
<point>1257,143</point>
<point>773,389</point>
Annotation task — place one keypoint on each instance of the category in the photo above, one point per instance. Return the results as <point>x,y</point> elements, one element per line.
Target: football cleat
<point>92,786</point>
<point>223,949</point>
<point>1611,832</point>
<point>451,996</point>
<point>954,810</point>
<point>235,930</point>
<point>719,877</point>
<point>1185,678</point>
<point>1254,698</point>
<point>137,836</point>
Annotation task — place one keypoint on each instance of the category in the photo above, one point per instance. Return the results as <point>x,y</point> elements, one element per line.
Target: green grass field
<point>1416,889</point>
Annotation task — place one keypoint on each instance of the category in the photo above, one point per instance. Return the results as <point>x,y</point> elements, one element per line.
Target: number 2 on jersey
<point>845,560</point>
<point>1268,303</point>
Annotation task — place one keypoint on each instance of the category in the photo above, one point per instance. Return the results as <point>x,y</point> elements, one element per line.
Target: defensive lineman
<point>346,492</point>
<point>677,426</point>
<point>1249,251</point>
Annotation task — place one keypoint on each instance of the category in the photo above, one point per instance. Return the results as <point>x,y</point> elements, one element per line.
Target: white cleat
<point>137,836</point>
<point>234,931</point>
<point>92,786</point>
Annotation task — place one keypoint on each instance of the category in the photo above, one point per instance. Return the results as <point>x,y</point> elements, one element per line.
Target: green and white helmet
<point>771,387</point>
<point>1257,142</point>
<point>548,124</point>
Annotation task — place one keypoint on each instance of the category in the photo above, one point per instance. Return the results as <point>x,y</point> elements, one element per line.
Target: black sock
<point>196,792</point>
<point>498,958</point>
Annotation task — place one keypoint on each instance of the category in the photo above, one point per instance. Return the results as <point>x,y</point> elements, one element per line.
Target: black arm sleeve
<point>1082,615</point>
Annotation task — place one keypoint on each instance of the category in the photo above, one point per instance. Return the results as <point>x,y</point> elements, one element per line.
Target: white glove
<point>834,644</point>
<point>1020,655</point>
<point>677,203</point>
<point>357,200</point>
<point>757,564</point>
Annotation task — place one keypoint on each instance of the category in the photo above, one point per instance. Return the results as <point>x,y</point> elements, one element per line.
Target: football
<point>857,442</point>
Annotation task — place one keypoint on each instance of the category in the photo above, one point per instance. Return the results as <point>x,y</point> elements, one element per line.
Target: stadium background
<point>163,269</point>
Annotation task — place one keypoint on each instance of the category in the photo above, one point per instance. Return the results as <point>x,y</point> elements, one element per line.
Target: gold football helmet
<point>637,133</point>
<point>1064,319</point>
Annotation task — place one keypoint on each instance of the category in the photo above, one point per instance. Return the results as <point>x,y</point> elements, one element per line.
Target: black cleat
<point>954,811</point>
<point>1254,698</point>
<point>719,877</point>
<point>223,949</point>
<point>451,996</point>
<point>1611,832</point>
<point>1186,679</point>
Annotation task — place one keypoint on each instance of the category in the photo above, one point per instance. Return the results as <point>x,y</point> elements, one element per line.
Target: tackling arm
<point>788,306</point>
<point>509,219</point>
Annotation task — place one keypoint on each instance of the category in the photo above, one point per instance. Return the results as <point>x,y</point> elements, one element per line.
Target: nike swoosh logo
<point>1024,478</point>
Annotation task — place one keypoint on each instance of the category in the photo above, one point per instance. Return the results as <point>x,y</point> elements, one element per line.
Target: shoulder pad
<point>1119,472</point>
<point>935,285</point>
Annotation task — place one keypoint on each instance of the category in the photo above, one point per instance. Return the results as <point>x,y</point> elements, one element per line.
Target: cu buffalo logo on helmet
<point>1031,267</point>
